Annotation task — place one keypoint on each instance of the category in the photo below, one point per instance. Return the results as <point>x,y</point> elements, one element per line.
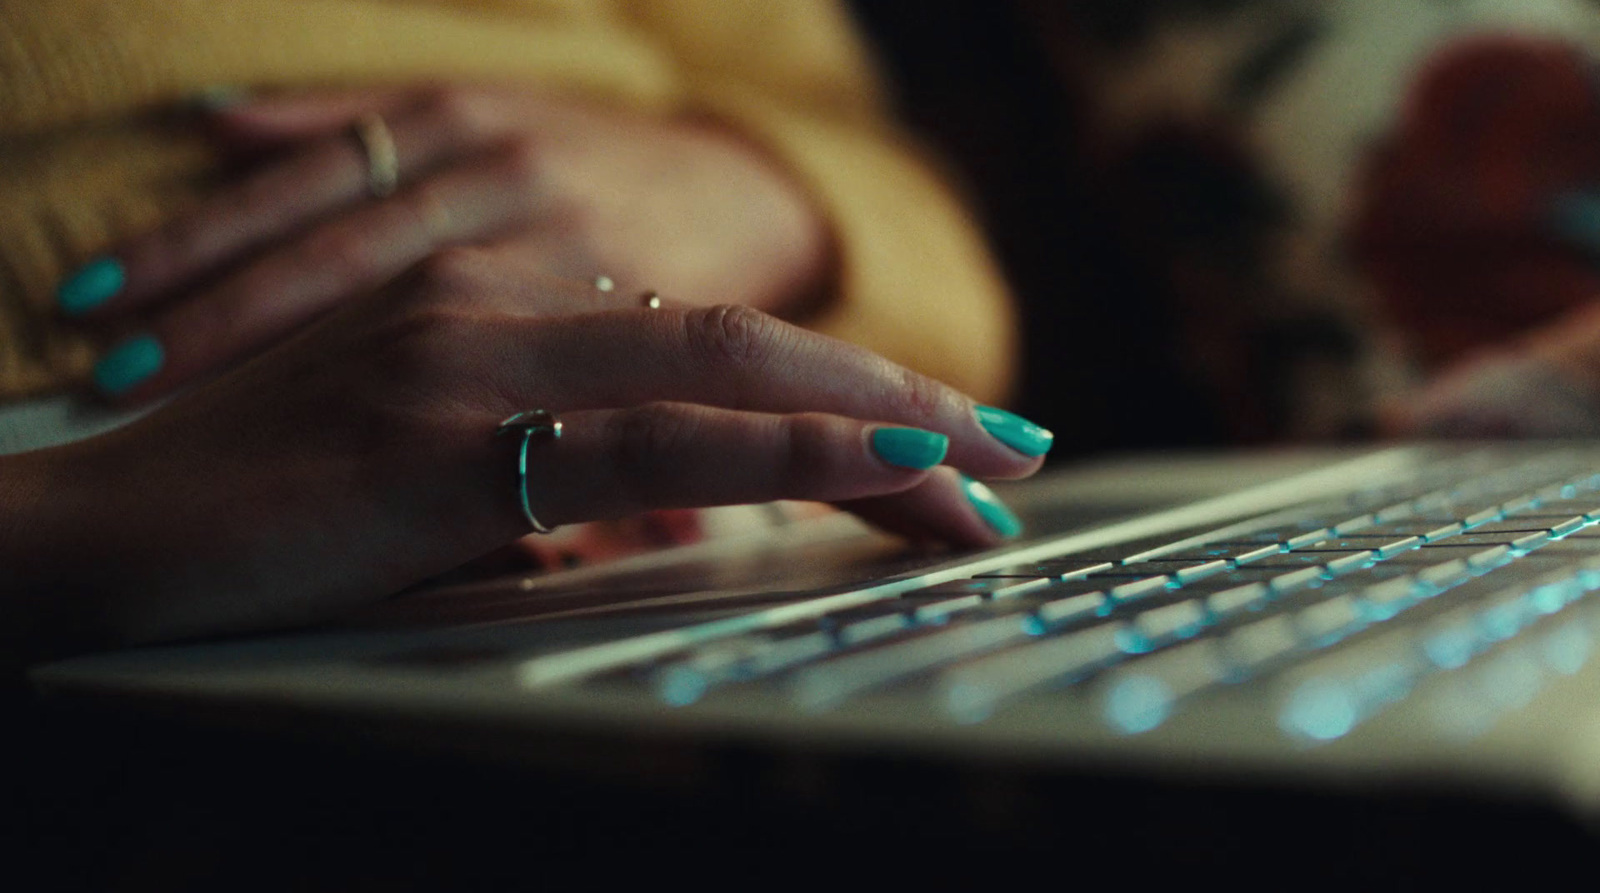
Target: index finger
<point>738,358</point>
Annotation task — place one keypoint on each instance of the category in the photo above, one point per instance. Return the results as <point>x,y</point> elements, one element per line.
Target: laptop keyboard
<point>1346,605</point>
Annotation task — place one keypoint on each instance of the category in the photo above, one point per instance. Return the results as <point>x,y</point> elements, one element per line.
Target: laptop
<point>1382,621</point>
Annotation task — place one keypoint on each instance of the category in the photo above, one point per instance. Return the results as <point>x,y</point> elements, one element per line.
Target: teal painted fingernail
<point>910,447</point>
<point>990,508</point>
<point>1575,217</point>
<point>1015,431</point>
<point>91,286</point>
<point>128,364</point>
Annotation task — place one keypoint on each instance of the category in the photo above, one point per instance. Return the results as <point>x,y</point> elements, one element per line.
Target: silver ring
<point>383,162</point>
<point>531,424</point>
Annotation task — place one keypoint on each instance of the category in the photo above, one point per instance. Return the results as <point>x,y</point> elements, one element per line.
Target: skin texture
<point>357,458</point>
<point>578,190</point>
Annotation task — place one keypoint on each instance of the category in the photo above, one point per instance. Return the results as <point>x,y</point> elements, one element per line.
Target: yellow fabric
<point>92,149</point>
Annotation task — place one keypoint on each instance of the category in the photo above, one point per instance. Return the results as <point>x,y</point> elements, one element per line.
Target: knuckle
<point>643,442</point>
<point>426,209</point>
<point>521,162</point>
<point>456,111</point>
<point>454,272</point>
<point>430,342</point>
<point>732,335</point>
<point>920,397</point>
<point>812,450</point>
<point>342,250</point>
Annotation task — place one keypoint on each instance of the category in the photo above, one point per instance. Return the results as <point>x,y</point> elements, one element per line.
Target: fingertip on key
<point>128,364</point>
<point>1029,439</point>
<point>994,512</point>
<point>91,286</point>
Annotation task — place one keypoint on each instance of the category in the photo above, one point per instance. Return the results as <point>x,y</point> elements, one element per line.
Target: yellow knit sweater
<point>93,149</point>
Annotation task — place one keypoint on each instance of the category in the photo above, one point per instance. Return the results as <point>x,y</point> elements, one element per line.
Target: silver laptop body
<point>1362,620</point>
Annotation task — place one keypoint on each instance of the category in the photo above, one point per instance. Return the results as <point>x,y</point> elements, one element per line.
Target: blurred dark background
<point>977,82</point>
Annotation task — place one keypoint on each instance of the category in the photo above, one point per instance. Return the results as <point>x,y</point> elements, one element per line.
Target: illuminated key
<point>1172,621</point>
<point>1327,697</point>
<point>1330,619</point>
<point>1234,601</point>
<point>828,684</point>
<point>1140,695</point>
<point>1260,642</point>
<point>972,692</point>
<point>1068,609</point>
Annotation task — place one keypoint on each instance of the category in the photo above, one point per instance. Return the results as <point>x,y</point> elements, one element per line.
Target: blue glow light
<point>1502,621</point>
<point>968,703</point>
<point>1551,598</point>
<point>1322,710</point>
<point>1137,704</point>
<point>1132,641</point>
<point>1384,684</point>
<point>681,686</point>
<point>1451,648</point>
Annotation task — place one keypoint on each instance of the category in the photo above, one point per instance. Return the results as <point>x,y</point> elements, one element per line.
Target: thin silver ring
<point>383,161</point>
<point>531,424</point>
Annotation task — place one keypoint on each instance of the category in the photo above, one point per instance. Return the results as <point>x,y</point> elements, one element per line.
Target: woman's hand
<point>360,457</point>
<point>577,190</point>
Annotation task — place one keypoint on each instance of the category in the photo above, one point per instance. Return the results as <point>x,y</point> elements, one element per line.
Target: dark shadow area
<point>115,803</point>
<point>1100,368</point>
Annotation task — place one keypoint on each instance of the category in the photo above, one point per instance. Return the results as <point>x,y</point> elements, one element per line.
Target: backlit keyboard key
<point>1200,571</point>
<point>1238,600</point>
<point>1330,619</point>
<point>1265,640</point>
<point>1296,580</point>
<point>1140,589</point>
<point>1350,564</point>
<point>1066,610</point>
<point>828,684</point>
<point>1172,621</point>
<point>990,586</point>
<point>875,628</point>
<point>1386,599</point>
<point>972,692</point>
<point>1140,695</point>
<point>1048,570</point>
<point>938,612</point>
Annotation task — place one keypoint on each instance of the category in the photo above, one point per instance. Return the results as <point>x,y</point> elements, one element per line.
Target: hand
<point>577,190</point>
<point>359,458</point>
<point>1545,384</point>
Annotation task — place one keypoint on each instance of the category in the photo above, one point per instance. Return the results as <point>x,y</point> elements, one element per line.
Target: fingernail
<point>91,286</point>
<point>1015,431</point>
<point>1575,217</point>
<point>216,99</point>
<point>990,508</point>
<point>910,447</point>
<point>128,364</point>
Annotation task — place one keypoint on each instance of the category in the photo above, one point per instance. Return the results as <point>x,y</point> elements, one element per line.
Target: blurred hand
<point>1545,384</point>
<point>360,457</point>
<point>576,190</point>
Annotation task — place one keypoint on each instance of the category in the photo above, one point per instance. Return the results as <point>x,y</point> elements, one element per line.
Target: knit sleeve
<point>915,281</point>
